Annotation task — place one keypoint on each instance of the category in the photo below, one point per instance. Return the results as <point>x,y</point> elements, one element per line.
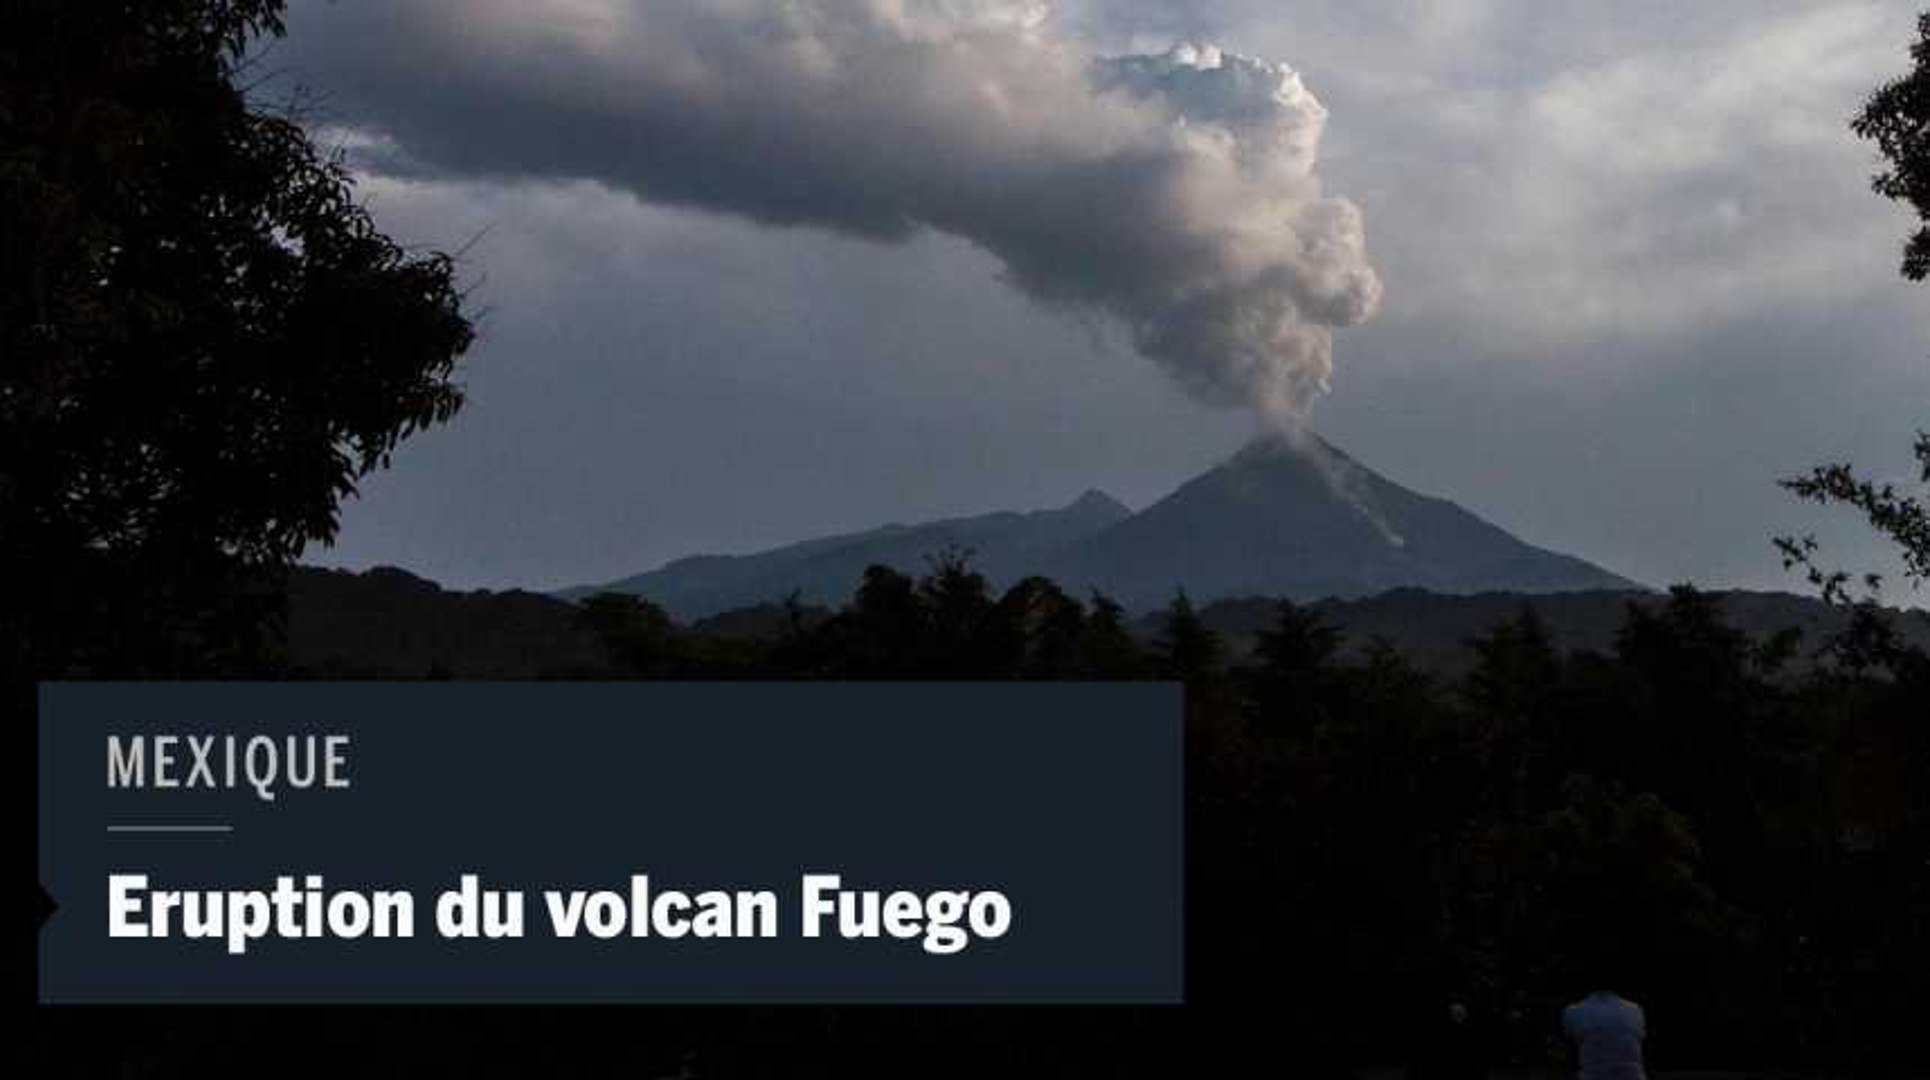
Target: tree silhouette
<point>1189,650</point>
<point>1041,626</point>
<point>1896,117</point>
<point>204,340</point>
<point>1106,648</point>
<point>1295,680</point>
<point>638,637</point>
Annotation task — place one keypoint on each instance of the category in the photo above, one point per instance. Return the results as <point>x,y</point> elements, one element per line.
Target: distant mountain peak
<point>1094,500</point>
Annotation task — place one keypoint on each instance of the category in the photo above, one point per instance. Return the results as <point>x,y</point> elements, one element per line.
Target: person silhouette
<point>1607,1031</point>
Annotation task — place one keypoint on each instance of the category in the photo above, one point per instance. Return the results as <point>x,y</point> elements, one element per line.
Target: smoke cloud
<point>1174,193</point>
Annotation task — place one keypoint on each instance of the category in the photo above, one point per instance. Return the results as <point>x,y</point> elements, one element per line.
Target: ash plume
<point>1176,193</point>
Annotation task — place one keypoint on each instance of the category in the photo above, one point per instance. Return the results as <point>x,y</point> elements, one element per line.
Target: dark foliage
<point>1735,843</point>
<point>204,345</point>
<point>204,342</point>
<point>1894,119</point>
<point>1897,119</point>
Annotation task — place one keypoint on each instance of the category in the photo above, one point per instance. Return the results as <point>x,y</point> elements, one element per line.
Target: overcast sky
<point>750,273</point>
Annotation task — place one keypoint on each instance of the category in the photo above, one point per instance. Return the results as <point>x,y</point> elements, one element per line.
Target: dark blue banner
<point>621,842</point>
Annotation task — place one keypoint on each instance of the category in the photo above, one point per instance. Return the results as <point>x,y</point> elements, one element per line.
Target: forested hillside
<point>1730,825</point>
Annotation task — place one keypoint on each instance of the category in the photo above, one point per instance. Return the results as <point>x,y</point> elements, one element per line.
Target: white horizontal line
<point>172,828</point>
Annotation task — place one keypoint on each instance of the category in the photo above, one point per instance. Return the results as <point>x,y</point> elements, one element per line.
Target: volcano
<point>1288,516</point>
<point>1297,517</point>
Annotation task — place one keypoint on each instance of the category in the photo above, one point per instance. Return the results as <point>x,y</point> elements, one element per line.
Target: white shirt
<point>1609,1032</point>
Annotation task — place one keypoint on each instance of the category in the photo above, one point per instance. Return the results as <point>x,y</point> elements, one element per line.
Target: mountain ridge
<point>825,569</point>
<point>1287,515</point>
<point>388,623</point>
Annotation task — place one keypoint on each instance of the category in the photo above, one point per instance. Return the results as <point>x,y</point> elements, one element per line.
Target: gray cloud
<point>1544,173</point>
<point>1175,193</point>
